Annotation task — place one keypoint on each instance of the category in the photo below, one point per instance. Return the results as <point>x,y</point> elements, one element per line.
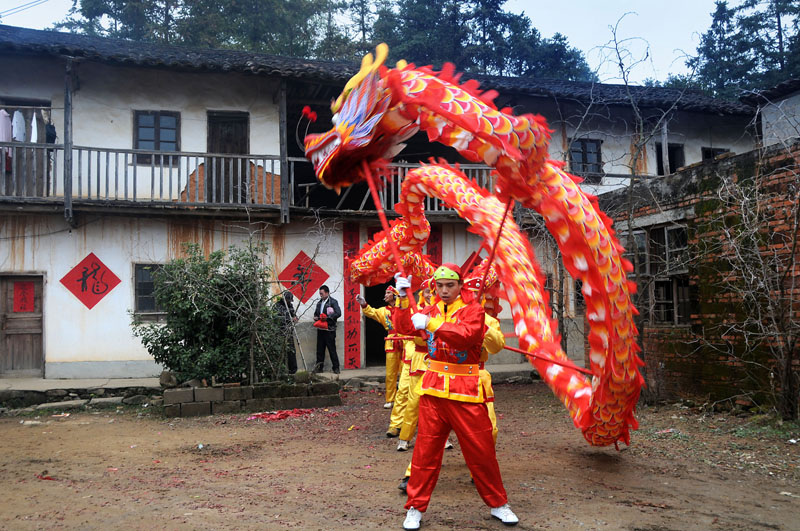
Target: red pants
<point>437,416</point>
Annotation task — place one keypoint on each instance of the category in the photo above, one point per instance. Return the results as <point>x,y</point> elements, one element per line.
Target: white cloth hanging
<point>5,126</point>
<point>5,136</point>
<point>34,129</point>
<point>18,127</point>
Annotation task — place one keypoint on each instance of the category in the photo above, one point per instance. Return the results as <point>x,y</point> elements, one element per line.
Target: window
<point>580,302</point>
<point>144,291</point>
<point>674,155</point>
<point>156,131</point>
<point>585,159</point>
<point>659,256</point>
<point>711,153</point>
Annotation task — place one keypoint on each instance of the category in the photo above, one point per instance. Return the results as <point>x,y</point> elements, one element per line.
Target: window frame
<point>673,165</point>
<point>155,314</point>
<point>592,177</point>
<point>147,158</point>
<point>670,306</point>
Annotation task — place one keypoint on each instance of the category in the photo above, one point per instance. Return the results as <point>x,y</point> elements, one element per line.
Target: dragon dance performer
<point>416,370</point>
<point>394,348</point>
<point>452,395</point>
<point>493,342</point>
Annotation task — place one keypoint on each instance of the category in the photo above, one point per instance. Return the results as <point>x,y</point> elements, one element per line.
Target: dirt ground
<point>335,469</point>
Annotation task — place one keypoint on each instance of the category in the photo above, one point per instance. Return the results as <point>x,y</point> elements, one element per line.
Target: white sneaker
<point>413,518</point>
<point>388,405</point>
<point>505,515</point>
<point>448,445</point>
<point>402,445</point>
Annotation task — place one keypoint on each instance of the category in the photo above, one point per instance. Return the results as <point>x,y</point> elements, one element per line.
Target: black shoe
<point>404,485</point>
<point>335,371</point>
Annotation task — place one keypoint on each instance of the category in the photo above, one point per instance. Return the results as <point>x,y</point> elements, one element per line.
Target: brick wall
<point>696,359</point>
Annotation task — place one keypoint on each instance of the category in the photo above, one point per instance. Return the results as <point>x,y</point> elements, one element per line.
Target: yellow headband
<point>445,273</point>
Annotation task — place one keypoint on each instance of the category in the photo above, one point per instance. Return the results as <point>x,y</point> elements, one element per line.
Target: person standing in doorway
<point>327,310</point>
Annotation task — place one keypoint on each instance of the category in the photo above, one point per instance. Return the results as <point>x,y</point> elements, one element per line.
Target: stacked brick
<point>198,401</point>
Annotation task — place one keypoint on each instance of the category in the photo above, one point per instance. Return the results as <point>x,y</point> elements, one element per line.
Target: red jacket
<point>454,348</point>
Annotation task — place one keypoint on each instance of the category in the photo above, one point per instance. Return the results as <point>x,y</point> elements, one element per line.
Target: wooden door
<point>226,178</point>
<point>21,350</point>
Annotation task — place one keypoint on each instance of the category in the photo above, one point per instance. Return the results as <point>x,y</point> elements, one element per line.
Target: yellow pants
<point>400,399</point>
<point>411,416</point>
<point>393,361</point>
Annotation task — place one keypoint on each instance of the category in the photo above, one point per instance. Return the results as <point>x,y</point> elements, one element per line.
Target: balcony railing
<point>311,194</point>
<point>36,171</point>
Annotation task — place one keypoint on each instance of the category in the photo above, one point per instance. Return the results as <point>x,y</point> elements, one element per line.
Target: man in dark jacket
<point>328,310</point>
<point>284,310</point>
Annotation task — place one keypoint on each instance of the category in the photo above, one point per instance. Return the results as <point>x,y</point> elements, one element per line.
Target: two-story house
<point>118,152</point>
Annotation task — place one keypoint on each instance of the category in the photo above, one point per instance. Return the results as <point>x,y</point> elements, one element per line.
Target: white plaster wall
<point>44,244</point>
<point>615,127</point>
<point>105,98</point>
<point>780,121</point>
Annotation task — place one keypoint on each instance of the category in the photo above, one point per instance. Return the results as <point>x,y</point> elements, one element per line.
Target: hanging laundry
<point>34,128</point>
<point>18,127</point>
<point>5,136</point>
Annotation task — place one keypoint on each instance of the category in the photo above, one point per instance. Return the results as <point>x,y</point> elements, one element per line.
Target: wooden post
<point>68,142</point>
<point>285,182</point>
<point>665,147</point>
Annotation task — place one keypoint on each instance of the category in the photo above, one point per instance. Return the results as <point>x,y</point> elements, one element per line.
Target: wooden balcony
<point>185,181</point>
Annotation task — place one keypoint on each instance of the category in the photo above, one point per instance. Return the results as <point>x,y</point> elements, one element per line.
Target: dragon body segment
<point>382,107</point>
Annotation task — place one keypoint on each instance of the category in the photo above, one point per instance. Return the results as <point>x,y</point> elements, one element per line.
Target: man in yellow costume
<point>394,347</point>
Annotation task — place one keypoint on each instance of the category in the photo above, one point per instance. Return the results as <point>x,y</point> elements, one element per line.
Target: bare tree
<point>752,254</point>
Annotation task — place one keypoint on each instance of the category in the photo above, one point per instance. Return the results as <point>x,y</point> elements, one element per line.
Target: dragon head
<point>365,128</point>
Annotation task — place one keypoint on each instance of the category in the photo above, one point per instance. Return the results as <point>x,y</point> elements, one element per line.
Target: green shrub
<point>219,317</point>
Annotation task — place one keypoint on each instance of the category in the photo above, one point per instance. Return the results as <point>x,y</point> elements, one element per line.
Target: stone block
<point>109,401</point>
<point>68,404</point>
<point>290,390</point>
<point>227,406</point>
<point>260,404</point>
<point>324,388</point>
<point>135,400</point>
<point>172,410</point>
<point>239,393</point>
<point>56,392</point>
<point>195,409</point>
<point>209,394</point>
<point>267,390</point>
<point>178,396</point>
<point>321,401</point>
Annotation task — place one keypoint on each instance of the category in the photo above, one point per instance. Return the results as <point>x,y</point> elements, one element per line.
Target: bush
<point>219,317</point>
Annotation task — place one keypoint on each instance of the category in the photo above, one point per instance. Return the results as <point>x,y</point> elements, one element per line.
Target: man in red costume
<point>452,395</point>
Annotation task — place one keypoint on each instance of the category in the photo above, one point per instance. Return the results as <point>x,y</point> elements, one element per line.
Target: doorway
<point>21,348</point>
<point>374,333</point>
<point>226,177</point>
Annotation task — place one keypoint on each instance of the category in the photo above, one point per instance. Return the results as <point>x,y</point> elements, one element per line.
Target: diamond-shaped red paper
<point>90,280</point>
<point>303,277</point>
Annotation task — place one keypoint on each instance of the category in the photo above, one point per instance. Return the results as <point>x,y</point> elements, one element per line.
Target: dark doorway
<point>374,333</point>
<point>226,177</point>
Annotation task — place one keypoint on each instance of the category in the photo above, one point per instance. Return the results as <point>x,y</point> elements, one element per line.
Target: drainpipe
<point>68,78</point>
<point>285,183</point>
